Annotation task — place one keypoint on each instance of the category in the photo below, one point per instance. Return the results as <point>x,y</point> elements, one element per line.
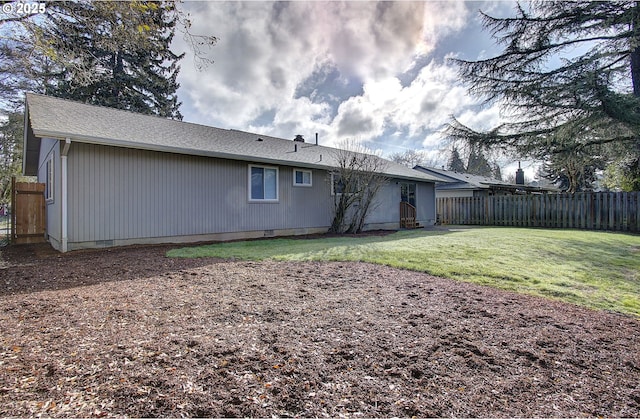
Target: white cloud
<point>481,119</point>
<point>423,106</point>
<point>334,68</point>
<point>440,19</point>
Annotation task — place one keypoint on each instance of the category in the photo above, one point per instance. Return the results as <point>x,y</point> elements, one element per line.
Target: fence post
<point>13,210</point>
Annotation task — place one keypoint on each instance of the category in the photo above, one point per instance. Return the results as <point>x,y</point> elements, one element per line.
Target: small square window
<point>302,177</point>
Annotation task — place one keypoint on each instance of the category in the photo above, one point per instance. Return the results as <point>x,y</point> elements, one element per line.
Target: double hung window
<point>263,183</point>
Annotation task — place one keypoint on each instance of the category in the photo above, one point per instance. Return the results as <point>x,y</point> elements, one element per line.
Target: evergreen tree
<point>572,171</point>
<point>581,102</point>
<point>478,163</point>
<point>84,49</point>
<point>496,172</point>
<point>139,76</point>
<point>455,163</point>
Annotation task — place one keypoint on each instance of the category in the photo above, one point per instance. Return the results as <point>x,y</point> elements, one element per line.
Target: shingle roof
<point>457,180</point>
<point>51,117</point>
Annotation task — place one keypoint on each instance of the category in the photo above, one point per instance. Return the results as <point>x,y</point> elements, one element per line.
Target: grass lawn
<point>595,269</point>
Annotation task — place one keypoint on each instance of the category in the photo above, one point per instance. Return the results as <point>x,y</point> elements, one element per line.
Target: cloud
<point>441,19</point>
<point>414,111</point>
<point>355,70</point>
<point>266,50</point>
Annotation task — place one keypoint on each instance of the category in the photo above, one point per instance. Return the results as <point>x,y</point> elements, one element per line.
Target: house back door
<point>408,193</point>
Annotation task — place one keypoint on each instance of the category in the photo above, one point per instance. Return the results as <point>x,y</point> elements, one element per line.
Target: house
<point>115,178</point>
<point>459,185</point>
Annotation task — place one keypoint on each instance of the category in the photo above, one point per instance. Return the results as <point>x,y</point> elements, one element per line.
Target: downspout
<point>24,137</point>
<point>63,192</point>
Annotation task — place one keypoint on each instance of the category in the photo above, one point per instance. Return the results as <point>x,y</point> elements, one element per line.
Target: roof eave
<point>202,153</point>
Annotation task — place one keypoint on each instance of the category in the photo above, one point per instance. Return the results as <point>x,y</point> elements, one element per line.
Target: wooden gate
<point>27,212</point>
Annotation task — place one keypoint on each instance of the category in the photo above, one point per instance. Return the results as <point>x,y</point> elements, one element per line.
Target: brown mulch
<point>131,332</point>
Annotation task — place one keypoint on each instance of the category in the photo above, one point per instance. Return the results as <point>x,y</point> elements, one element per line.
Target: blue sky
<point>373,72</point>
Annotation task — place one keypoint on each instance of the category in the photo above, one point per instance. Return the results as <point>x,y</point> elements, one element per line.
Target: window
<point>263,183</point>
<point>408,193</point>
<point>338,185</point>
<point>48,191</point>
<point>301,177</point>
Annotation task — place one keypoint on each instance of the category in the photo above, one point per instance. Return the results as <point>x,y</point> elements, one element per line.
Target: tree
<point>572,171</point>
<point>73,41</point>
<point>11,133</point>
<point>356,180</point>
<point>455,163</point>
<point>496,172</point>
<point>413,158</point>
<point>140,76</point>
<point>478,163</point>
<point>547,92</point>
<point>623,174</point>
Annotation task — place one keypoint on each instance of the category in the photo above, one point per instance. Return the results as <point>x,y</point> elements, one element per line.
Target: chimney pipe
<point>316,138</point>
<point>295,148</point>
<point>519,175</point>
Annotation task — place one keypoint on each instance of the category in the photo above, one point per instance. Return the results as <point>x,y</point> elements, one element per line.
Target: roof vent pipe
<point>316,138</point>
<point>295,148</point>
<point>299,139</point>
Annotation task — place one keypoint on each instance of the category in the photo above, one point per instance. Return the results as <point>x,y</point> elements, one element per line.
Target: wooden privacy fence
<point>617,211</point>
<point>27,212</point>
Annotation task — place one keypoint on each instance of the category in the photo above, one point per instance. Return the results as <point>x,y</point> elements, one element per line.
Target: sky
<point>377,73</point>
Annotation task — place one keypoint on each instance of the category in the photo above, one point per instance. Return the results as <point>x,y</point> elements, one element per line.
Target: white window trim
<point>333,191</point>
<point>262,201</point>
<point>49,179</point>
<point>305,185</point>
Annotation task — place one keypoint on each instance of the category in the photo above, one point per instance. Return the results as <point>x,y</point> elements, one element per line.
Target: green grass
<point>596,269</point>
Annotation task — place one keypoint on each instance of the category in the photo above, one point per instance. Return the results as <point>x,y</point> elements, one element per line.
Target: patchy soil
<point>130,332</point>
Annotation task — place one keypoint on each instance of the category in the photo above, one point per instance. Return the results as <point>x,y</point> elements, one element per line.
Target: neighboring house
<point>115,177</point>
<point>454,184</point>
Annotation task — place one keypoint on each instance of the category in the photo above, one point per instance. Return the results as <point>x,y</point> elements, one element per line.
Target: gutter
<point>309,164</point>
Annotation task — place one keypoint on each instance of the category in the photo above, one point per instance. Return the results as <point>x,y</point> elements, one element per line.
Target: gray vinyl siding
<point>426,203</point>
<point>49,147</point>
<point>387,209</point>
<point>386,206</point>
<point>120,193</point>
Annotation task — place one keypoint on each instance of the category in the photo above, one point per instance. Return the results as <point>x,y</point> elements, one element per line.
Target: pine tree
<point>478,163</point>
<point>139,75</point>
<point>496,172</point>
<point>455,163</point>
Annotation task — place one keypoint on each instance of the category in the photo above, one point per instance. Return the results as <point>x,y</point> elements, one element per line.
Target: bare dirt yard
<point>129,332</point>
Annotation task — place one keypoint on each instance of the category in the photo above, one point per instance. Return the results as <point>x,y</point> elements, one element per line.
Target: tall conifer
<point>137,72</point>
